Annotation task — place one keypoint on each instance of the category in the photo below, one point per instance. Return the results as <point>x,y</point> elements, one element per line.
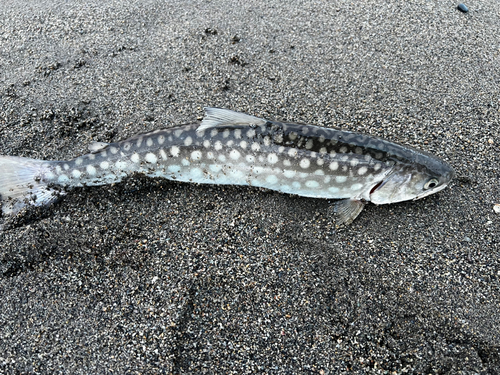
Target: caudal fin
<point>21,184</point>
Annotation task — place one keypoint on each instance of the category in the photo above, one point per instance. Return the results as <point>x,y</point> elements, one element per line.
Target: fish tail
<point>22,184</point>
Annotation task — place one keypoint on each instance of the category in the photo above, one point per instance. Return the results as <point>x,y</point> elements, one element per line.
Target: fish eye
<point>432,183</point>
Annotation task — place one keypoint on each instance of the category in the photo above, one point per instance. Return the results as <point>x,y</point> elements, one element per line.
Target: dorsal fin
<point>215,117</point>
<point>97,146</point>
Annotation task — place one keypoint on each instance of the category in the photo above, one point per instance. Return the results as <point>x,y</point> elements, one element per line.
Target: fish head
<point>412,180</point>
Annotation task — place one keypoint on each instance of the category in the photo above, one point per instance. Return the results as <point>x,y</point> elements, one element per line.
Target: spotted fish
<point>231,148</point>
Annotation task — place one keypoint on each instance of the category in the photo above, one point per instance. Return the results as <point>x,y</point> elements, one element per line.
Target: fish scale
<point>237,149</point>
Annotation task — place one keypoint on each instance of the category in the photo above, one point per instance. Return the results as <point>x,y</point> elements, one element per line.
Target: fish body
<point>231,148</point>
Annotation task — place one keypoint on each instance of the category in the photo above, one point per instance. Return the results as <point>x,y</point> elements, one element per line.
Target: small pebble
<point>463,8</point>
<point>496,208</point>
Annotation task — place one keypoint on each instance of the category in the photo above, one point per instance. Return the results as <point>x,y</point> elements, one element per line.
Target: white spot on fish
<point>292,153</point>
<point>320,161</point>
<point>91,156</point>
<point>292,136</point>
<point>341,179</point>
<point>377,166</point>
<point>319,172</point>
<point>229,143</point>
<point>149,142</point>
<point>287,163</point>
<point>161,139</point>
<point>216,168</point>
<point>358,150</point>
<point>135,158</point>
<point>104,165</point>
<point>235,155</point>
<point>104,154</point>
<point>281,149</point>
<point>321,138</point>
<point>113,150</point>
<point>206,143</point>
<point>200,133</point>
<point>163,154</point>
<point>196,155</point>
<point>289,173</point>
<point>322,150</point>
<point>312,184</point>
<point>225,133</point>
<point>267,141</point>
<point>261,158</point>
<point>296,184</point>
<point>126,146</point>
<point>188,141</point>
<point>334,166</point>
<point>49,176</point>
<point>63,178</point>
<point>237,133</point>
<point>210,155</point>
<point>185,162</point>
<point>222,158</point>
<point>213,133</point>
<point>304,163</point>
<point>272,158</point>
<point>309,144</point>
<point>66,167</point>
<point>333,189</point>
<point>121,165</point>
<point>255,146</point>
<point>356,186</point>
<point>258,170</point>
<point>91,170</point>
<point>243,144</point>
<point>175,151</point>
<point>76,173</point>
<point>251,133</point>
<point>271,179</point>
<point>218,145</point>
<point>354,162</point>
<point>151,158</point>
<point>250,158</point>
<point>327,179</point>
<point>362,171</point>
<point>139,142</point>
<point>178,132</point>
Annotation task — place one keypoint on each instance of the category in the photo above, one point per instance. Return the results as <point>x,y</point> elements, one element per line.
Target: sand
<point>152,276</point>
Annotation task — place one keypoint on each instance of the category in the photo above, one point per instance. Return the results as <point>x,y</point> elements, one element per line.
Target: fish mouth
<point>430,192</point>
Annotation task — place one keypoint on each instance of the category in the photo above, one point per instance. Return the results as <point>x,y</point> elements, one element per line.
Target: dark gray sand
<point>152,276</point>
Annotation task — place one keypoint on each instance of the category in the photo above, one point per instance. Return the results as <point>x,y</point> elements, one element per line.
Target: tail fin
<point>21,184</point>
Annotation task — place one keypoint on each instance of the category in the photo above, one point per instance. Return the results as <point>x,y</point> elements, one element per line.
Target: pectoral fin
<point>347,210</point>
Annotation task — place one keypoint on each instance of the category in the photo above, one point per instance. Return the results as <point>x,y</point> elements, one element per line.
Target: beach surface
<point>151,276</point>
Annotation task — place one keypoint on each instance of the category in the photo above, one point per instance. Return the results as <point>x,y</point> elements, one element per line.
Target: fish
<point>233,148</point>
